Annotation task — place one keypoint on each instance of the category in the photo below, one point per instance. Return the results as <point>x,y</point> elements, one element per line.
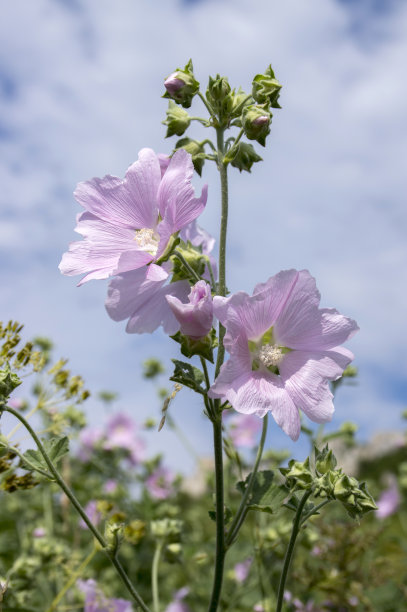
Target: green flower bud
<point>195,149</point>
<point>239,101</point>
<point>114,534</point>
<point>166,528</point>
<point>220,97</point>
<point>8,382</point>
<point>266,88</point>
<point>325,460</point>
<point>298,475</point>
<point>256,123</point>
<point>177,120</point>
<point>244,156</point>
<point>182,86</point>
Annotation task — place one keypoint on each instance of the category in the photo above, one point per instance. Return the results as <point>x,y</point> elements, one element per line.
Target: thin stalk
<point>186,265</point>
<point>220,520</point>
<point>222,239</point>
<point>154,576</point>
<point>242,510</point>
<point>208,108</point>
<point>71,496</point>
<point>290,549</point>
<point>72,580</point>
<point>315,510</point>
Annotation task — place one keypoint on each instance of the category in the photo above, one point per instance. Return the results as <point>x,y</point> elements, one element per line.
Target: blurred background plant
<point>49,561</point>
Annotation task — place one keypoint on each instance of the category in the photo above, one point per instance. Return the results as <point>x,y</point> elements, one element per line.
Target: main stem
<point>71,496</point>
<point>290,549</point>
<point>217,417</point>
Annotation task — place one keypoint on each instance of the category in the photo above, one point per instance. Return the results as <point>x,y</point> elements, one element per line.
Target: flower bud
<point>244,156</point>
<point>182,86</point>
<point>325,460</point>
<point>196,317</point>
<point>177,120</point>
<point>266,88</point>
<point>8,382</point>
<point>256,123</point>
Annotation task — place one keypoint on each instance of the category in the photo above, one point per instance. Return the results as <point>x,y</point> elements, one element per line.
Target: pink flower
<point>89,439</point>
<point>95,600</point>
<point>178,605</point>
<point>93,514</point>
<point>196,317</point>
<point>160,483</point>
<point>243,429</point>
<point>242,570</point>
<point>388,502</point>
<point>284,350</point>
<point>121,432</point>
<point>127,226</point>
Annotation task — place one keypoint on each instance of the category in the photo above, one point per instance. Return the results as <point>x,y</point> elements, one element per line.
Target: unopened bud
<point>256,123</point>
<point>266,88</point>
<point>177,120</point>
<point>182,86</point>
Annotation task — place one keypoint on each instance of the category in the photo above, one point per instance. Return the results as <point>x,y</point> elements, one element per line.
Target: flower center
<point>270,355</point>
<point>147,240</point>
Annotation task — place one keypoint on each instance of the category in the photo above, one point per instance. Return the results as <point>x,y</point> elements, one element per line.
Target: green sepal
<point>188,375</point>
<point>201,346</point>
<point>243,156</point>
<point>8,382</point>
<point>266,495</point>
<point>177,120</point>
<point>55,448</point>
<point>253,130</point>
<point>190,88</point>
<point>195,149</point>
<point>266,88</point>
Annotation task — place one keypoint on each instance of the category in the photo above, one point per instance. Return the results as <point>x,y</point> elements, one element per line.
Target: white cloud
<point>329,195</point>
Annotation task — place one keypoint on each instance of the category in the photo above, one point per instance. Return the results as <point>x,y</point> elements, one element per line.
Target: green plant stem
<point>220,519</point>
<point>208,108</point>
<point>72,580</point>
<point>154,576</point>
<point>186,265</point>
<point>72,498</point>
<point>242,510</point>
<point>315,510</point>
<point>290,549</point>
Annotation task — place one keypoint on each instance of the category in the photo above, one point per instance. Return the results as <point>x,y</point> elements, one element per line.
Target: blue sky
<point>80,94</point>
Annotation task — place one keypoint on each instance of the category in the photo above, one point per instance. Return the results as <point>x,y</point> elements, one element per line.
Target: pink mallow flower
<point>96,601</point>
<point>243,429</point>
<point>196,317</point>
<point>121,432</point>
<point>388,502</point>
<point>93,514</point>
<point>160,483</point>
<point>242,570</point>
<point>127,226</point>
<point>284,350</point>
<point>178,604</point>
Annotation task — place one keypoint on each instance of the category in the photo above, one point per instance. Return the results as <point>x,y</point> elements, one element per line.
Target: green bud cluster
<point>167,528</point>
<point>328,482</point>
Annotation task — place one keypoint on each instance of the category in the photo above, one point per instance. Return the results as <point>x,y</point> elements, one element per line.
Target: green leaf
<point>227,515</point>
<point>55,448</point>
<point>266,495</point>
<point>187,375</point>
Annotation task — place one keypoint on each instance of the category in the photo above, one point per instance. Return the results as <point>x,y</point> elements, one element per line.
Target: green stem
<point>242,510</point>
<point>28,462</point>
<point>72,580</point>
<point>222,239</point>
<point>154,576</point>
<point>315,510</point>
<point>290,549</point>
<point>234,146</point>
<point>186,265</point>
<point>208,108</point>
<point>71,496</point>
<point>220,520</point>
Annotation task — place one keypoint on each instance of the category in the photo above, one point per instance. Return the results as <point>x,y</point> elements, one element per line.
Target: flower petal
<point>131,202</point>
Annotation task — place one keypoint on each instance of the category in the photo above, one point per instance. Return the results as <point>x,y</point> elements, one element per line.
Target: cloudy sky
<point>80,95</point>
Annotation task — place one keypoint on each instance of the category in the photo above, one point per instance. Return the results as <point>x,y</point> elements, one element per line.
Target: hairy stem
<point>186,265</point>
<point>242,510</point>
<point>290,549</point>
<point>220,520</point>
<point>71,496</point>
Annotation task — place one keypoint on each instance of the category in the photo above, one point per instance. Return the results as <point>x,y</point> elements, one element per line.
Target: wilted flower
<point>284,350</point>
<point>160,483</point>
<point>95,600</point>
<point>196,317</point>
<point>388,502</point>
<point>243,429</point>
<point>128,226</point>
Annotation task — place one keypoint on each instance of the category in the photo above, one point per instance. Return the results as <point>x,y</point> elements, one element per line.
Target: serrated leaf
<point>187,375</point>
<point>266,495</point>
<point>55,448</point>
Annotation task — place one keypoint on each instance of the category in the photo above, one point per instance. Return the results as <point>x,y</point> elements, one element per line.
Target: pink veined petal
<point>237,367</point>
<point>254,315</point>
<point>131,202</point>
<point>132,260</point>
<point>122,292</point>
<point>306,377</point>
<point>177,203</point>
